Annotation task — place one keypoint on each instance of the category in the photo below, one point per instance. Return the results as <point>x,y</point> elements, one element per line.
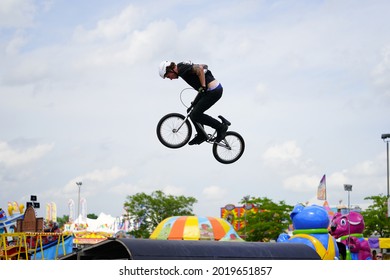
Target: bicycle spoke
<point>169,131</point>
<point>230,149</point>
<point>174,130</point>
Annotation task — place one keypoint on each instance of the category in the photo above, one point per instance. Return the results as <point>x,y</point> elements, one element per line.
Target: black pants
<point>208,100</point>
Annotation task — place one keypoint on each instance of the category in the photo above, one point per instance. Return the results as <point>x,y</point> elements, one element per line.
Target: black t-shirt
<point>187,73</point>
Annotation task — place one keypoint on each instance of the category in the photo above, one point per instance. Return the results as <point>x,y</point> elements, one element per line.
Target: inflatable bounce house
<point>195,228</point>
<point>192,238</point>
<point>8,223</point>
<point>349,229</point>
<point>311,228</point>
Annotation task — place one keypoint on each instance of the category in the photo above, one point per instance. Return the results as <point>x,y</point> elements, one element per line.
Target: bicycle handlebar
<point>181,99</point>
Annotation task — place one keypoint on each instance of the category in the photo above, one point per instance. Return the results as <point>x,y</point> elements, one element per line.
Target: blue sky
<point>305,82</point>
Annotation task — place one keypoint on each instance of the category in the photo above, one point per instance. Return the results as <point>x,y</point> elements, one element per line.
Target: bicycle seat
<point>225,121</point>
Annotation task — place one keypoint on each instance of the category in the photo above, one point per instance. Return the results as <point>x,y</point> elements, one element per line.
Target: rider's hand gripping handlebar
<point>201,93</point>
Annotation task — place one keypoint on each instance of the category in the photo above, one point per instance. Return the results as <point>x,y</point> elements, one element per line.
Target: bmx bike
<point>174,130</point>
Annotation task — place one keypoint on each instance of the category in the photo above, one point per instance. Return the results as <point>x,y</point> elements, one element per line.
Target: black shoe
<point>221,133</point>
<point>198,139</point>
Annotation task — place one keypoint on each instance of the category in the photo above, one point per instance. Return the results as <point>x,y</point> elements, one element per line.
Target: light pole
<point>78,199</point>
<point>348,188</point>
<point>384,137</point>
<point>246,199</point>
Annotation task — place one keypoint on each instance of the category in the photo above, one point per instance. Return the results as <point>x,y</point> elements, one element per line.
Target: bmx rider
<point>199,77</point>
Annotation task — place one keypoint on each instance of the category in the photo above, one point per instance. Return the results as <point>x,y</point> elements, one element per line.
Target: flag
<point>321,192</point>
<point>328,209</point>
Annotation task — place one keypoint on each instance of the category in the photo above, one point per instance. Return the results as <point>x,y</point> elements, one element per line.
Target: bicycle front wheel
<point>174,130</point>
<point>230,149</point>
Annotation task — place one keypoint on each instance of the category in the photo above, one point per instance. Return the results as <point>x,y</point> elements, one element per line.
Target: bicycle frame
<point>210,138</point>
<point>174,130</point>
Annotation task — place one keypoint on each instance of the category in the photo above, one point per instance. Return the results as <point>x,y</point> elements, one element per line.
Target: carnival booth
<point>193,237</point>
<point>150,249</point>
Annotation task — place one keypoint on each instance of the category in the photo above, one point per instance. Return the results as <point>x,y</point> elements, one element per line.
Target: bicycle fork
<point>210,138</point>
<point>175,130</point>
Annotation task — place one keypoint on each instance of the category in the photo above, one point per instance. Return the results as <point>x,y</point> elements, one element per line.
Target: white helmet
<point>162,69</point>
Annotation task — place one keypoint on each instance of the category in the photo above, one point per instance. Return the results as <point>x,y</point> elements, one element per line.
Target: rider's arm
<point>199,71</point>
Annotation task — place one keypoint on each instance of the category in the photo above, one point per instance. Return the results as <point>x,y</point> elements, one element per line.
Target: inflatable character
<point>3,216</point>
<point>10,209</point>
<point>349,228</point>
<point>311,228</point>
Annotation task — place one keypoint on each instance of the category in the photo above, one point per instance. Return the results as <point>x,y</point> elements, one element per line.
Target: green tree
<point>265,224</point>
<point>147,211</point>
<point>62,220</point>
<point>92,216</point>
<point>375,217</point>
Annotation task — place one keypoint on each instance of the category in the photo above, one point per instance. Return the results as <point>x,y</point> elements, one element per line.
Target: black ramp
<point>148,249</point>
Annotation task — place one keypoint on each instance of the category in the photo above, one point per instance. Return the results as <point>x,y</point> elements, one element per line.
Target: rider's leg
<point>208,100</point>
<point>198,115</point>
<point>200,136</point>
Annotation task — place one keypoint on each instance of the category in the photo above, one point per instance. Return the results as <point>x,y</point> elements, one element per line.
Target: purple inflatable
<point>349,228</point>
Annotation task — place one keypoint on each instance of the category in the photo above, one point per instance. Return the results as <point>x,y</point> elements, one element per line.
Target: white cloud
<point>138,45</point>
<point>381,73</point>
<point>97,180</point>
<point>214,193</point>
<point>261,94</point>
<point>339,178</point>
<point>16,13</point>
<point>125,189</point>
<point>105,175</point>
<point>112,29</point>
<point>14,157</point>
<point>301,183</point>
<point>285,152</point>
<point>172,190</point>
<point>14,45</point>
<point>27,70</point>
<point>366,168</point>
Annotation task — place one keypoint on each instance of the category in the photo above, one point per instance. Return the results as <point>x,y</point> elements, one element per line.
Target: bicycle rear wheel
<point>230,149</point>
<point>174,130</point>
